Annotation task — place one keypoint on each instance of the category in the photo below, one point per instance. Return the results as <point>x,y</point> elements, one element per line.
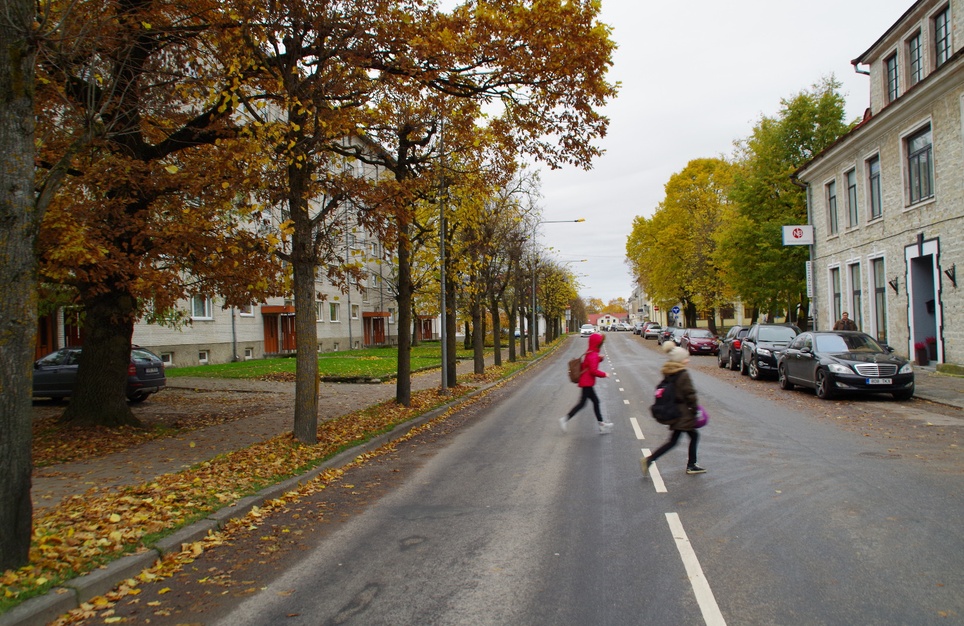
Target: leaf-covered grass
<point>88,530</point>
<point>365,363</point>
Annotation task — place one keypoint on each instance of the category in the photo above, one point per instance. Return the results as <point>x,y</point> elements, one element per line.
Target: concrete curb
<point>43,609</point>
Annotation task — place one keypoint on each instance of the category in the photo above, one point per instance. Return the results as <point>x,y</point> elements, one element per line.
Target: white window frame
<point>355,311</point>
<point>874,188</point>
<point>891,77</point>
<point>319,311</point>
<point>833,215</point>
<point>918,129</point>
<point>334,312</point>
<point>246,311</point>
<point>853,209</point>
<point>204,357</point>
<point>207,308</point>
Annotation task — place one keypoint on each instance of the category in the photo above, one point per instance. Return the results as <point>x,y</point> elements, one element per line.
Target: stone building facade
<point>886,201</point>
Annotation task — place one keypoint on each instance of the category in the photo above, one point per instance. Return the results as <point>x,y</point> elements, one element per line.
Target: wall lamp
<point>952,274</point>
<point>894,284</point>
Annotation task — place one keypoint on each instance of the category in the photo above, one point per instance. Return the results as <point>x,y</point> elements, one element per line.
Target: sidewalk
<point>935,387</point>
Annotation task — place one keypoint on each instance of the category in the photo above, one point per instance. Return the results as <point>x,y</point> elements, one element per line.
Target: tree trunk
<point>524,325</point>
<point>511,316</point>
<point>451,325</point>
<point>100,394</point>
<point>403,384</point>
<point>18,271</point>
<point>478,335</point>
<point>306,338</point>
<point>496,332</point>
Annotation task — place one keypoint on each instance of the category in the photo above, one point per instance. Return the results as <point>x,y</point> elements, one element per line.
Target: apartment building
<point>886,201</point>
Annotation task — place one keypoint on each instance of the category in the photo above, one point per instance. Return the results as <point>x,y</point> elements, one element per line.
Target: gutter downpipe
<point>858,70</point>
<point>812,247</point>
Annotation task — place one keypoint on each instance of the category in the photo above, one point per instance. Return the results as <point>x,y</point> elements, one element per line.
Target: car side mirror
<point>889,348</point>
<point>806,350</point>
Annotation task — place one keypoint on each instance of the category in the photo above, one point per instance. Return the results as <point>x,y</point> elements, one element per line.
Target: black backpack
<point>664,409</point>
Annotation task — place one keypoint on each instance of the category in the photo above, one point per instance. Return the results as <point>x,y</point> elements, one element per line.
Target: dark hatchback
<point>55,375</point>
<point>835,362</point>
<point>729,355</point>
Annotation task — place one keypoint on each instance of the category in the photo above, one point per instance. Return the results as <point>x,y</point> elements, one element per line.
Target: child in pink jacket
<point>587,382</point>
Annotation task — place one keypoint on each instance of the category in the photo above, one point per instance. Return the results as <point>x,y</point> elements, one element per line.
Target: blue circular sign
<point>675,310</point>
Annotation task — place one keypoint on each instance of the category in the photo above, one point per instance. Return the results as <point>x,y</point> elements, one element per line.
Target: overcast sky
<point>695,77</point>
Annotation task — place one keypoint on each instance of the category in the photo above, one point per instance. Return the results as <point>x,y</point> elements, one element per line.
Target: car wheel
<point>782,377</point>
<point>754,369</point>
<point>732,362</point>
<point>720,363</point>
<point>138,398</point>
<point>823,384</point>
<point>905,394</point>
<point>743,371</point>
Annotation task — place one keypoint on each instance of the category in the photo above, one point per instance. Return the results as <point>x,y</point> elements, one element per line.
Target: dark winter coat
<point>685,396</point>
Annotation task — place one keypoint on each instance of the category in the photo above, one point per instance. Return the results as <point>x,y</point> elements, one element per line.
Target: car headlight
<point>837,368</point>
<point>763,352</point>
<point>907,369</point>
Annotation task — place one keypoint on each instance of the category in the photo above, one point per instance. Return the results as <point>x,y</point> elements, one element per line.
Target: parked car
<point>665,334</point>
<point>762,346</point>
<point>699,341</point>
<point>622,326</point>
<point>651,331</point>
<point>676,336</point>
<point>586,329</point>
<point>729,354</point>
<point>832,362</point>
<point>638,328</point>
<point>55,375</point>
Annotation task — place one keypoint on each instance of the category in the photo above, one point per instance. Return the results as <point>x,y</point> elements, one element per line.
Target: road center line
<point>701,588</point>
<point>636,428</point>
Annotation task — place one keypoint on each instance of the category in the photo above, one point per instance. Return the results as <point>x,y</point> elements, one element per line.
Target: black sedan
<point>835,362</point>
<point>55,375</point>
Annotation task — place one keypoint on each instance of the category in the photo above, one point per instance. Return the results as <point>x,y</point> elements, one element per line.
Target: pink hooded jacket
<point>590,362</point>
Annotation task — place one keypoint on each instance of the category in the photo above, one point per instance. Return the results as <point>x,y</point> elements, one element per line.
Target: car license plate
<point>880,381</point>
<point>150,370</point>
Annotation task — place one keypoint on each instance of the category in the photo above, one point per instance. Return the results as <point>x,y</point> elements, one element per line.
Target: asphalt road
<point>811,512</point>
<point>799,520</point>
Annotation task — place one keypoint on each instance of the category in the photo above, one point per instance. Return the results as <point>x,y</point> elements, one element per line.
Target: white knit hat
<point>674,352</point>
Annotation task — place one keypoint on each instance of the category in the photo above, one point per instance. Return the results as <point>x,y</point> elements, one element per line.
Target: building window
<point>202,357</point>
<point>832,206</point>
<point>355,311</point>
<point>319,311</point>
<point>333,311</point>
<point>835,294</point>
<point>167,358</point>
<point>201,308</point>
<point>915,60</point>
<point>880,299</point>
<point>852,216</point>
<point>873,183</point>
<point>248,354</point>
<point>942,37</point>
<point>920,166</point>
<point>856,296</point>
<point>893,87</point>
<point>246,310</point>
<point>391,315</point>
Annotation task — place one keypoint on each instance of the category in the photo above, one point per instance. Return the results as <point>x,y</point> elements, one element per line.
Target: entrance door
<point>271,343</point>
<point>925,316</point>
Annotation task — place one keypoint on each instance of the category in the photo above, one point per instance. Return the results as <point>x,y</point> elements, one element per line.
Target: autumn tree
<point>673,252</point>
<point>20,216</point>
<point>594,305</point>
<point>762,271</point>
<point>149,211</point>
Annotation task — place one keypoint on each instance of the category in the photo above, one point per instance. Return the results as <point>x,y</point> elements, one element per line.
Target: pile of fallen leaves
<point>85,531</point>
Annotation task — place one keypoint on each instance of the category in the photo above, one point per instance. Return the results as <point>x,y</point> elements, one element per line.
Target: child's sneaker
<point>605,427</point>
<point>644,464</point>
<point>695,469</point>
<point>562,422</point>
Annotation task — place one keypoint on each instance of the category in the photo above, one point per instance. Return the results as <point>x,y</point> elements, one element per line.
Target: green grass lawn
<point>369,363</point>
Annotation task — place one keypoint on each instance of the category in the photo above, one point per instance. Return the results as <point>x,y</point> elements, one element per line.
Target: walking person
<point>845,323</point>
<point>587,382</point>
<point>675,368</point>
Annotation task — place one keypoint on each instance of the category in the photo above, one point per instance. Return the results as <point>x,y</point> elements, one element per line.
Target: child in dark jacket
<point>675,366</point>
<point>587,382</point>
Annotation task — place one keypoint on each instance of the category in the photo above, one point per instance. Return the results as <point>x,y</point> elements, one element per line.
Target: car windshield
<point>701,334</point>
<point>777,333</point>
<point>847,343</point>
